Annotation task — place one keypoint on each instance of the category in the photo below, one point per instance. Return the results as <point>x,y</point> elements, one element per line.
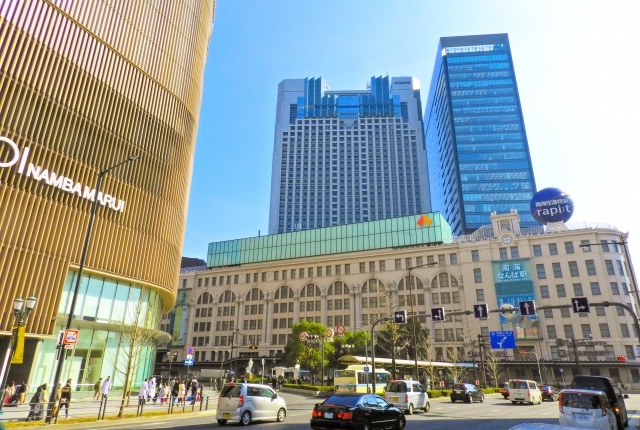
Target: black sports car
<point>356,411</point>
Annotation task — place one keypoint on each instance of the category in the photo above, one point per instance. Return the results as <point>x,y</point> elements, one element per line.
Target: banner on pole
<point>18,352</point>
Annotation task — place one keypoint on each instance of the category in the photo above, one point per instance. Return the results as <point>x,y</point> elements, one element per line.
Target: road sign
<point>481,310</point>
<point>437,314</point>
<point>190,350</point>
<point>189,356</point>
<point>329,333</point>
<point>366,369</point>
<point>71,336</point>
<point>303,336</point>
<point>340,329</point>
<point>580,305</point>
<point>400,317</point>
<point>188,362</point>
<point>68,346</point>
<point>527,307</point>
<point>503,339</point>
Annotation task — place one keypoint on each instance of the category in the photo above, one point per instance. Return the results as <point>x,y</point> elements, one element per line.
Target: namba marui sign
<point>41,174</point>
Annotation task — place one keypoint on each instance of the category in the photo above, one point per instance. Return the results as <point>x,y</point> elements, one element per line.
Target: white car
<point>245,403</point>
<point>407,395</point>
<point>587,409</point>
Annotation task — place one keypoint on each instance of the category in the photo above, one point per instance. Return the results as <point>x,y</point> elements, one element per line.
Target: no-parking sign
<point>340,329</point>
<point>71,336</point>
<point>303,336</point>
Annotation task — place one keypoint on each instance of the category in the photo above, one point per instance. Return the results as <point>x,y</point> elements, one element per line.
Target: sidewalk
<point>87,410</point>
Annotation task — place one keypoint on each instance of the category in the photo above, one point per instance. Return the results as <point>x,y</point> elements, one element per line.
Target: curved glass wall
<point>109,313</point>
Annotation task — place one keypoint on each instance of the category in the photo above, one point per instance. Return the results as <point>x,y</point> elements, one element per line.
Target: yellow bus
<point>355,379</point>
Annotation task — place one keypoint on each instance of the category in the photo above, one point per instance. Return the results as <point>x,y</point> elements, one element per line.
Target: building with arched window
<point>352,275</point>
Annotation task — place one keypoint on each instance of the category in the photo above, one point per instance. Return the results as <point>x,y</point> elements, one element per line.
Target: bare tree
<point>492,364</point>
<point>133,340</point>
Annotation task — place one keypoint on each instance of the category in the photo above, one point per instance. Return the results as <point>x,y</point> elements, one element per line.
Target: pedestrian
<point>65,397</point>
<point>106,386</point>
<point>183,391</point>
<point>142,395</point>
<point>151,391</point>
<point>56,401</point>
<point>175,390</point>
<point>9,391</point>
<point>194,391</point>
<point>97,388</point>
<point>22,392</point>
<point>166,392</point>
<point>36,405</point>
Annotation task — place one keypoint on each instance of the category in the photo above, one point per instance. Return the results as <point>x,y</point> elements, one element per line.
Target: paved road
<point>494,414</point>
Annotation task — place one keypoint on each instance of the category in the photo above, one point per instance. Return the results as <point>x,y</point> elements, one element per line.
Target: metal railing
<point>107,406</point>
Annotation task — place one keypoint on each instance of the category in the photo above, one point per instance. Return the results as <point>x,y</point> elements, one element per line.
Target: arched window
<point>375,298</point>
<point>338,304</point>
<point>282,316</point>
<point>205,299</point>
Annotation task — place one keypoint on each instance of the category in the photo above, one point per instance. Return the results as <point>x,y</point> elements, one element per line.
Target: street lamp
<point>83,258</point>
<point>415,339</point>
<point>20,313</point>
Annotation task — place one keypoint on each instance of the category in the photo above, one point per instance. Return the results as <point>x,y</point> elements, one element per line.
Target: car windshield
<point>342,400</point>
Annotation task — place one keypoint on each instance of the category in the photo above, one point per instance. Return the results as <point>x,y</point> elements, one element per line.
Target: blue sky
<point>576,64</point>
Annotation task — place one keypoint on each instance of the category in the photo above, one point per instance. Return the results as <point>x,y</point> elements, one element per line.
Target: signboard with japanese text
<point>513,280</point>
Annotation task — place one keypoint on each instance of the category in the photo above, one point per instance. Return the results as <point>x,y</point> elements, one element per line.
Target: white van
<point>407,395</point>
<point>524,391</point>
<point>587,409</point>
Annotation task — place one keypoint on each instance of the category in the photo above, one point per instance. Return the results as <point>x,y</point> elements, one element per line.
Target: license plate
<point>394,399</point>
<point>581,418</point>
<point>328,415</point>
<point>226,415</point>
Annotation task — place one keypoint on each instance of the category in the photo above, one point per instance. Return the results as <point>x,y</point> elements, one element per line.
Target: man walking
<point>97,389</point>
<point>194,390</point>
<point>106,386</point>
<point>142,395</point>
<point>65,397</point>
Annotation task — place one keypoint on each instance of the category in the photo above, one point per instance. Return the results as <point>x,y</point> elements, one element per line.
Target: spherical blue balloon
<point>551,205</point>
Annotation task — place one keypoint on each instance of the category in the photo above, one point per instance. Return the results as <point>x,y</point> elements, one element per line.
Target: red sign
<point>303,336</point>
<point>71,336</point>
<point>329,332</point>
<point>340,329</point>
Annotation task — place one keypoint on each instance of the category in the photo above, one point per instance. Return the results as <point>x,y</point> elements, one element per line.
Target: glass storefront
<point>115,320</point>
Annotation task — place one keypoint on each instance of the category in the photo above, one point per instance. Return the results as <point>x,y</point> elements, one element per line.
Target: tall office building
<point>479,159</point>
<point>347,156</point>
<point>83,86</point>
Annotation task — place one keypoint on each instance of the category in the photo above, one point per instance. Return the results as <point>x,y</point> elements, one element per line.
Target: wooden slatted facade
<point>84,85</point>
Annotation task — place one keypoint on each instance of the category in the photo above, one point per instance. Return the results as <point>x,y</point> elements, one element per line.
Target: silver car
<point>245,403</point>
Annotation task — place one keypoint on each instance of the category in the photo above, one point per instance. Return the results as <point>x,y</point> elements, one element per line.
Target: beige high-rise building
<point>255,289</point>
<point>84,86</point>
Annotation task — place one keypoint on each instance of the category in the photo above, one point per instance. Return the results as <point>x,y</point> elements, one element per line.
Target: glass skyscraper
<point>349,156</point>
<point>478,154</point>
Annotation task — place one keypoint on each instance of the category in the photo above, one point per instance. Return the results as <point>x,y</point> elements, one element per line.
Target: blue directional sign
<point>504,339</point>
<point>188,361</point>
